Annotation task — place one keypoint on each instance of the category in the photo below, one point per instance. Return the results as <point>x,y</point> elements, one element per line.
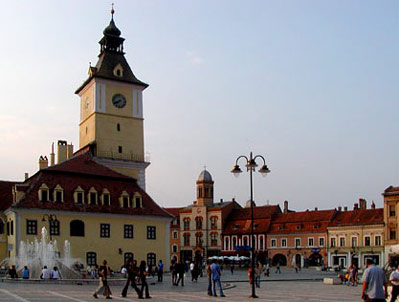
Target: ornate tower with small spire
<point>111,109</point>
<point>204,189</point>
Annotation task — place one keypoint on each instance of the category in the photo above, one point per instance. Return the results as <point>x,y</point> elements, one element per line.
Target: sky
<point>310,85</point>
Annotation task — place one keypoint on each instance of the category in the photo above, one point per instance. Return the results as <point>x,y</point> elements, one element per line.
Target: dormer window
<point>235,227</point>
<point>124,200</point>
<point>118,71</point>
<point>92,196</point>
<point>79,195</point>
<point>138,201</point>
<point>58,194</point>
<point>44,192</point>
<point>106,198</point>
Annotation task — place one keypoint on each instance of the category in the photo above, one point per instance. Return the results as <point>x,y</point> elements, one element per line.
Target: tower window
<point>118,127</point>
<point>120,149</point>
<point>118,72</point>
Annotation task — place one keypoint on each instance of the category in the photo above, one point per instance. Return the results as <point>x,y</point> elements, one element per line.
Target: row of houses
<point>336,237</point>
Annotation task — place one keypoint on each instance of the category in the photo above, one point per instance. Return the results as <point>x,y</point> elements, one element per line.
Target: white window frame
<point>357,241</point>
<point>339,240</point>
<point>275,242</point>
<point>286,242</point>
<point>324,241</point>
<point>311,245</point>
<point>300,243</point>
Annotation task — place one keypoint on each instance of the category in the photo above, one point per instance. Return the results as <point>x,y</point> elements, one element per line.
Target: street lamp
<point>251,165</point>
<point>50,218</point>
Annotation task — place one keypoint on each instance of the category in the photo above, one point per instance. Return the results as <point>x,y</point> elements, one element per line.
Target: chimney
<point>373,205</point>
<point>26,176</point>
<point>316,209</point>
<point>221,200</point>
<point>69,151</point>
<point>345,209</point>
<point>362,203</point>
<point>43,162</point>
<point>52,155</point>
<point>339,209</point>
<point>285,211</point>
<point>355,206</point>
<point>233,199</point>
<point>61,151</point>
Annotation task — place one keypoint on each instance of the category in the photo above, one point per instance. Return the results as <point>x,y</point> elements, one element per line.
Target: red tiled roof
<point>6,197</point>
<point>83,171</point>
<point>301,222</point>
<point>358,217</point>
<point>174,211</point>
<point>259,212</point>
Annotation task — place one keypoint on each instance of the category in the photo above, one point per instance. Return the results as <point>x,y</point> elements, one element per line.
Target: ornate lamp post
<point>50,218</point>
<point>251,165</point>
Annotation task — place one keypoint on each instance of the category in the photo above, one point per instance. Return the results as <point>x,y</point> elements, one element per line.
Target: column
<point>329,262</point>
<point>349,259</point>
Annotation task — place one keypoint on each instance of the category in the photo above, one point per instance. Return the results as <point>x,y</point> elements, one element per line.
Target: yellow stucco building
<point>95,198</point>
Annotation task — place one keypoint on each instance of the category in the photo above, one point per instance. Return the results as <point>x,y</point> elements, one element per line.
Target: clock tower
<point>111,109</point>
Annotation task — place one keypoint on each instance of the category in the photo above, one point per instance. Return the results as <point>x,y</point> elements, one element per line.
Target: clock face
<point>118,100</point>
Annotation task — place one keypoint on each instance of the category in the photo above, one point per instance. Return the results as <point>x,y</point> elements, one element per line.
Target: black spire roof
<point>111,55</point>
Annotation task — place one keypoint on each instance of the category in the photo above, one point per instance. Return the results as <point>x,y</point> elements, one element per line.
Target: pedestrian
<point>180,268</point>
<point>103,273</point>
<point>55,273</point>
<point>296,268</point>
<point>215,275</point>
<point>353,276</point>
<point>46,273</point>
<point>232,267</point>
<point>132,274</point>
<point>13,272</point>
<point>374,287</point>
<point>160,271</point>
<point>143,278</point>
<point>25,273</point>
<point>278,270</point>
<point>208,274</point>
<point>192,266</point>
<point>267,270</point>
<point>173,271</point>
<point>394,278</point>
<point>257,274</point>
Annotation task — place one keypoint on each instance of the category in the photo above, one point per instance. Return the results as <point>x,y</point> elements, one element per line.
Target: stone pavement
<point>285,287</point>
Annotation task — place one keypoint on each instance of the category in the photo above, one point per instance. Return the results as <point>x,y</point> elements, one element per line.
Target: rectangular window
<point>310,242</point>
<point>93,198</point>
<point>321,241</point>
<point>186,224</point>
<point>174,248</point>
<point>54,227</point>
<point>106,199</point>
<point>354,241</point>
<point>186,240</point>
<point>297,242</point>
<point>367,241</point>
<point>31,227</point>
<point>105,230</point>
<point>342,241</point>
<point>44,195</point>
<point>392,234</point>
<point>138,202</point>
<point>58,196</point>
<point>273,243</point>
<point>120,149</point>
<point>174,235</point>
<point>333,242</point>
<point>377,240</point>
<point>392,211</point>
<point>284,242</point>
<point>125,202</point>
<point>128,231</point>
<point>151,232</point>
<point>79,197</point>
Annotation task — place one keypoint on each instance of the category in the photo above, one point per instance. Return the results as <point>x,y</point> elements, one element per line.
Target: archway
<point>315,259</point>
<point>279,258</point>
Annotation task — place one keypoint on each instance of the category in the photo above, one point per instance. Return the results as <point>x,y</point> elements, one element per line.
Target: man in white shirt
<point>394,278</point>
<point>46,273</point>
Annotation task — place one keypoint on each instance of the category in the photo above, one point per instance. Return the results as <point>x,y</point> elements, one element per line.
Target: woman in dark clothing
<point>143,274</point>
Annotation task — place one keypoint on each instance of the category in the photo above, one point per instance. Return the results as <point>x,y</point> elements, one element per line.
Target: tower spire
<point>112,11</point>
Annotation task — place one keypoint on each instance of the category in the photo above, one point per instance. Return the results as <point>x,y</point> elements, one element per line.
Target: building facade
<point>391,220</point>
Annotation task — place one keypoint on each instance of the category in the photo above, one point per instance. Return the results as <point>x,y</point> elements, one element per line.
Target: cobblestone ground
<point>288,286</point>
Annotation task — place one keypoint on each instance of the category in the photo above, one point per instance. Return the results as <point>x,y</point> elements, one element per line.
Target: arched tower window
<point>118,127</point>
<point>77,228</point>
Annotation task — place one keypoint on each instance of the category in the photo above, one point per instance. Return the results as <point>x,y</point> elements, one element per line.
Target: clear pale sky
<point>311,85</point>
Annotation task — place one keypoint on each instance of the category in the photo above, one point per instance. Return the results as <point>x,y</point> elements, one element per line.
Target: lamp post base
<point>253,296</point>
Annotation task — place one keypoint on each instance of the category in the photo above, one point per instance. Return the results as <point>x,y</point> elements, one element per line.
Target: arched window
<point>58,194</point>
<point>91,258</point>
<point>234,243</point>
<point>151,259</point>
<point>118,127</point>
<point>198,222</point>
<point>186,223</point>
<point>261,247</point>
<point>226,243</point>
<point>44,193</point>
<point>77,228</point>
<point>138,201</point>
<point>186,239</point>
<point>214,239</point>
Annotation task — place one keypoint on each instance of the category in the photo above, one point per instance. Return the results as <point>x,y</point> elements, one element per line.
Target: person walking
<point>278,270</point>
<point>180,272</point>
<point>215,275</point>
<point>374,287</point>
<point>103,272</point>
<point>258,271</point>
<point>143,278</point>
<point>173,271</point>
<point>160,271</point>
<point>267,270</point>
<point>25,273</point>
<point>394,278</point>
<point>132,273</point>
<point>209,274</point>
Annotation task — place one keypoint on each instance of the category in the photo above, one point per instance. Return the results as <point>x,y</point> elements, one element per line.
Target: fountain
<point>37,254</point>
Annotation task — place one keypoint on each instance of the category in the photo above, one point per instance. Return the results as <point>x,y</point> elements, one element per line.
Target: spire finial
<point>112,11</point>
